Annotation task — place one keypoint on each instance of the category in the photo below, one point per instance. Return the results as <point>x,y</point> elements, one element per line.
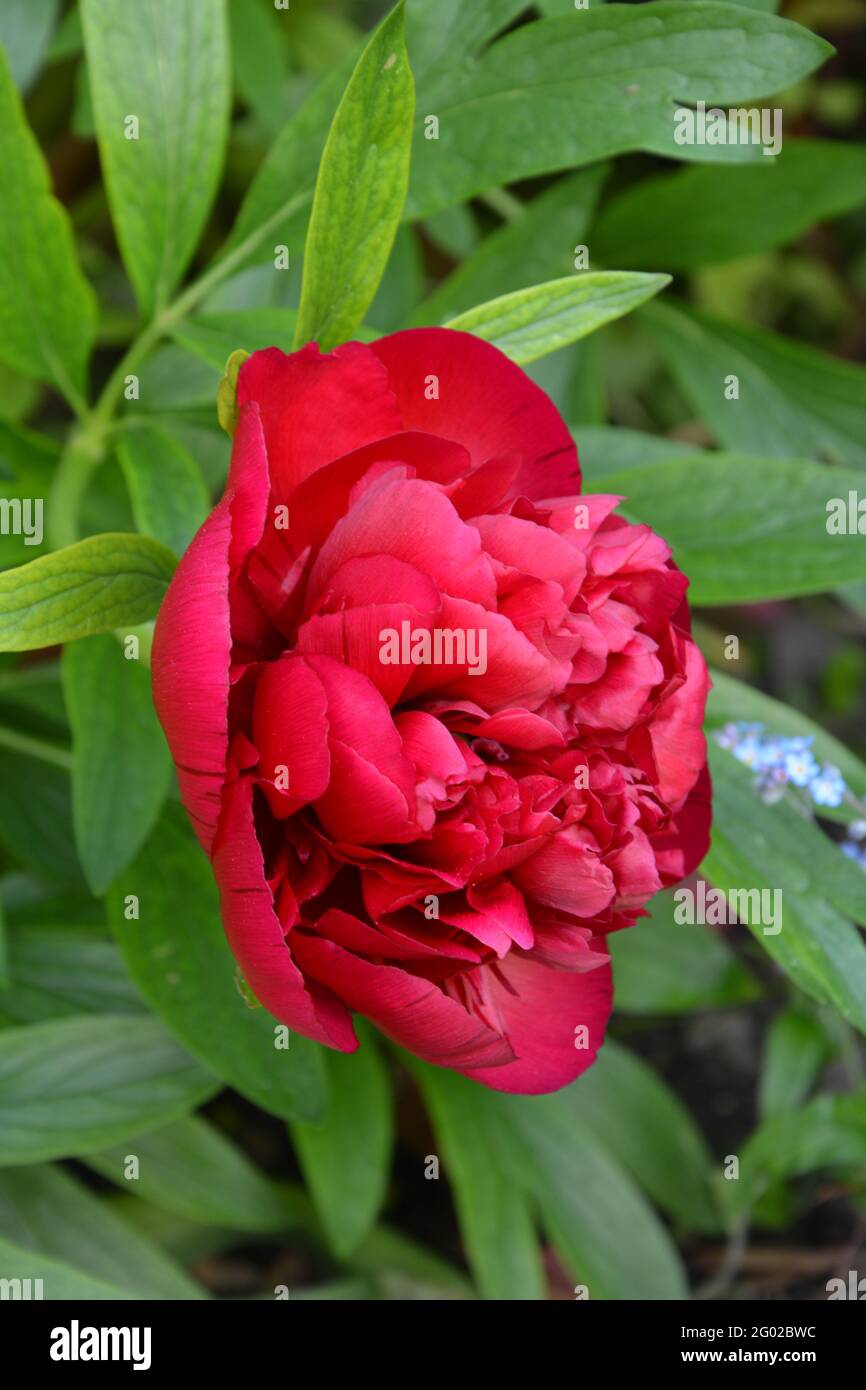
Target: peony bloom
<point>436,718</point>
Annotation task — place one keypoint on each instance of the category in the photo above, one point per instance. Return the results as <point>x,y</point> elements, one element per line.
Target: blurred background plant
<point>144,1146</point>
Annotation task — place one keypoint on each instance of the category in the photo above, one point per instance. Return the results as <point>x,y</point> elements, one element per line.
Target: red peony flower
<point>436,718</point>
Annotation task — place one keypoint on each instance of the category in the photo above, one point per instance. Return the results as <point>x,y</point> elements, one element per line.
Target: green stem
<point>504,204</point>
<point>35,748</point>
<point>79,460</point>
<point>89,444</point>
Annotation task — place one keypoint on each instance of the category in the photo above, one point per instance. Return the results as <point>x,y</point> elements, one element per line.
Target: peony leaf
<point>62,970</point>
<point>191,1169</point>
<point>792,401</point>
<point>796,1049</point>
<point>624,1104</point>
<point>539,245</point>
<point>47,309</point>
<point>49,1213</point>
<point>829,1132</point>
<point>495,1216</point>
<point>177,954</point>
<point>346,1156</point>
<point>704,215</point>
<point>744,529</point>
<point>121,764</point>
<point>214,337</point>
<point>529,323</point>
<point>360,191</point>
<point>64,1280</point>
<point>25,30</point>
<point>606,449</point>
<point>555,76</point>
<point>159,74</point>
<point>567,91</point>
<point>168,493</point>
<point>104,582</point>
<point>661,967</point>
<point>775,848</point>
<point>609,1237</point>
<point>36,817</point>
<point>77,1084</point>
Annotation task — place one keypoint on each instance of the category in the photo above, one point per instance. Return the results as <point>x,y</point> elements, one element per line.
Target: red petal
<point>190,665</point>
<point>484,402</point>
<point>411,1011</point>
<point>540,1019</point>
<point>256,936</point>
<point>316,407</point>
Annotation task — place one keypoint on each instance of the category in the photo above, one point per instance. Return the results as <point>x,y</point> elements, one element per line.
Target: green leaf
<point>661,967</point>
<point>47,309</point>
<point>168,493</point>
<point>745,529</point>
<point>27,464</point>
<point>495,1218</point>
<point>346,1156</point>
<point>44,1210</point>
<point>122,767</point>
<point>793,401</point>
<point>704,215</point>
<point>259,60</point>
<point>67,41</point>
<point>104,582</point>
<point>360,191</point>
<point>555,7</point>
<point>439,30</point>
<point>795,1051</point>
<point>829,1132</point>
<point>630,1110</point>
<point>63,970</point>
<point>401,1268</point>
<point>604,449</point>
<point>610,1238</point>
<point>732,699</point>
<point>539,245</point>
<point>564,92</point>
<point>177,954</point>
<point>531,322</point>
<point>402,285</point>
<point>191,1169</point>
<point>25,29</point>
<point>166,64</point>
<point>173,379</point>
<point>36,816</point>
<point>755,846</point>
<point>77,1084</point>
<point>276,208</point>
<point>62,1280</point>
<point>214,337</point>
<point>4,950</point>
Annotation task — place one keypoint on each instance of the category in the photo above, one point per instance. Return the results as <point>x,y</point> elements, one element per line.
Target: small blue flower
<point>828,788</point>
<point>752,752</point>
<point>857,830</point>
<point>801,767</point>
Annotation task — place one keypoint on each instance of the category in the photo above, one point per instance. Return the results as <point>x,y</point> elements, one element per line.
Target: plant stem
<point>88,445</point>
